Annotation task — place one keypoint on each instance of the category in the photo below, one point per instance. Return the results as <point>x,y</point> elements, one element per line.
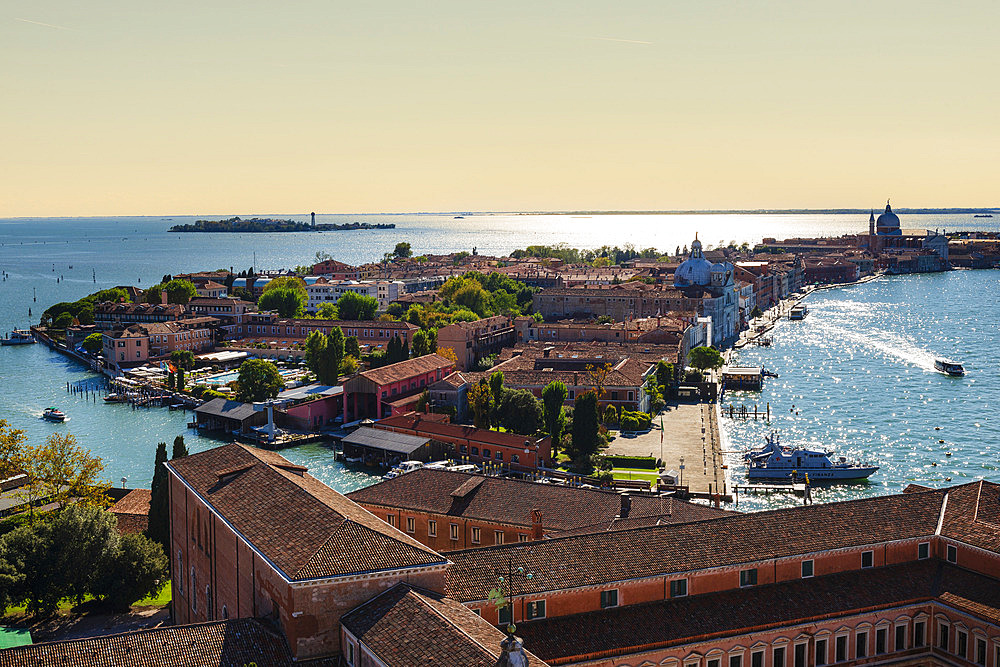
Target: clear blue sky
<point>115,107</point>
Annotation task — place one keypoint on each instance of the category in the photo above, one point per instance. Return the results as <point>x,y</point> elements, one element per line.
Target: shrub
<point>640,462</point>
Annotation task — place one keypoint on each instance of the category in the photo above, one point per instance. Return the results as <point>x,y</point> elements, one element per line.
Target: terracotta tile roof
<point>404,370</point>
<point>432,425</point>
<point>234,642</point>
<point>132,511</point>
<point>410,627</point>
<point>736,612</point>
<point>305,528</point>
<point>511,501</point>
<point>587,560</point>
<point>973,515</point>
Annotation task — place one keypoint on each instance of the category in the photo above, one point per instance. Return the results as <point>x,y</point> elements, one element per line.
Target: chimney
<point>536,525</point>
<point>163,297</point>
<point>626,506</point>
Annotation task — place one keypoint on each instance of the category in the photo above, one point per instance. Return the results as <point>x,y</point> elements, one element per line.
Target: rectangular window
<point>961,643</point>
<point>486,453</point>
<point>867,558</point>
<point>861,645</point>
<point>499,456</point>
<point>350,654</point>
<point>821,652</point>
<point>800,655</point>
<point>952,554</point>
<point>943,637</point>
<point>981,652</point>
<point>475,535</point>
<point>463,449</point>
<point>454,531</point>
<point>609,598</point>
<point>475,451</point>
<point>497,537</point>
<point>432,528</point>
<point>392,520</point>
<point>522,537</point>
<point>807,569</point>
<point>757,659</point>
<point>900,639</point>
<point>713,663</point>
<point>535,609</point>
<point>841,649</point>
<point>678,588</point>
<point>748,577</point>
<point>778,657</point>
<point>881,635</point>
<point>411,524</point>
<point>504,615</point>
<point>924,550</point>
<point>918,634</point>
<point>736,661</point>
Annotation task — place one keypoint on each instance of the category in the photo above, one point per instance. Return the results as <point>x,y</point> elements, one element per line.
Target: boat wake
<point>889,343</point>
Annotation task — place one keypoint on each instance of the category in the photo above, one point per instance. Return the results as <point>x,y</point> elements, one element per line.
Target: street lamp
<point>512,648</point>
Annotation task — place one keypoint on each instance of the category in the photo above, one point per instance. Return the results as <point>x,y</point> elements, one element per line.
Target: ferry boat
<point>798,312</point>
<point>783,464</point>
<point>18,337</point>
<point>949,367</point>
<point>54,415</point>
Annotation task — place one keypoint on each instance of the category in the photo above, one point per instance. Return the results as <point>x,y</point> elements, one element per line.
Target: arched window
<point>209,608</point>
<point>514,458</point>
<point>194,590</point>
<point>225,613</point>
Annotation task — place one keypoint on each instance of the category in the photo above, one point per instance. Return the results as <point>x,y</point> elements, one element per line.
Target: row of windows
<point>487,453</point>
<point>962,645</point>
<point>453,530</point>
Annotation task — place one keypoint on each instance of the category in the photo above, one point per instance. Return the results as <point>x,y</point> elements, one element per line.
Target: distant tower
<point>871,224</point>
<point>313,214</point>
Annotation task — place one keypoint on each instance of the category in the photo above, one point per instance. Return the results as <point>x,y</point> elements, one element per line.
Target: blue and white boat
<point>784,464</point>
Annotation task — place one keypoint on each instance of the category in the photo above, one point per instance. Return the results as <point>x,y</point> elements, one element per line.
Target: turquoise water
<point>36,253</point>
<point>225,378</point>
<point>856,376</point>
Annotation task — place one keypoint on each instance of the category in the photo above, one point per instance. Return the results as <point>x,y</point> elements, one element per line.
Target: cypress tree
<point>159,511</point>
<point>180,449</point>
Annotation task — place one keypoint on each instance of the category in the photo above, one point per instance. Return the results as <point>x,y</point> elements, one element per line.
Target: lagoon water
<point>857,368</point>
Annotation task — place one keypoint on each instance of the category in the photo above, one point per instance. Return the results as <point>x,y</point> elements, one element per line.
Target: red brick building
<point>448,510</point>
<point>477,445</point>
<point>370,393</point>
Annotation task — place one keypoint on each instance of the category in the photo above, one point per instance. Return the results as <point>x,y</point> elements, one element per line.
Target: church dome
<point>695,270</point>
<point>887,220</point>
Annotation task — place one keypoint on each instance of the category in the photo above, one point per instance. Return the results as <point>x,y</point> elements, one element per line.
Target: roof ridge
<point>480,645</point>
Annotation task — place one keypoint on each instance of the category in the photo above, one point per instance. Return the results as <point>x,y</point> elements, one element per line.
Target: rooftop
<point>410,627</point>
<point>392,442</point>
<point>304,528</point>
<point>404,370</point>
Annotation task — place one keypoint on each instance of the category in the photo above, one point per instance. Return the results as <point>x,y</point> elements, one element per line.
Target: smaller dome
<point>888,220</point>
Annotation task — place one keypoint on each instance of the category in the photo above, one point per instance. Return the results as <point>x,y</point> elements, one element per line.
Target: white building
<point>720,293</point>
<point>328,291</point>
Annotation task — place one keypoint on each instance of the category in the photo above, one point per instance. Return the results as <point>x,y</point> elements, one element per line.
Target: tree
<point>585,428</point>
<point>178,291</point>
<point>705,358</point>
<point>59,470</point>
<point>598,377</point>
<point>351,347</point>
<point>611,415</point>
<point>11,447</point>
<point>496,392</point>
<point>180,450</point>
<point>349,366</point>
<point>171,381</point>
<point>353,306</point>
<point>756,312</point>
<point>287,282</point>
<point>179,380</point>
<point>158,529</point>
<point>63,321</point>
<point>327,311</point>
<point>83,538</point>
<point>479,398</point>
<point>553,397</point>
<point>520,412</point>
<point>286,301</point>
<point>182,359</point>
<point>425,342</point>
<point>93,343</point>
<point>258,380</point>
<point>402,250</point>
<point>136,569</point>
<point>315,345</point>
<point>664,373</point>
<point>448,354</point>
<point>333,357</point>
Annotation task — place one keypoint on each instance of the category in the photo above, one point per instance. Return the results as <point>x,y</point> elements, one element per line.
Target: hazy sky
<point>239,107</point>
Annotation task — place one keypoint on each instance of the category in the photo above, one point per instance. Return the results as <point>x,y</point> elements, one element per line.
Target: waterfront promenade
<point>691,432</point>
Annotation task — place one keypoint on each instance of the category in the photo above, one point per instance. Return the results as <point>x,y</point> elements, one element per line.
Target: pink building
<point>369,393</point>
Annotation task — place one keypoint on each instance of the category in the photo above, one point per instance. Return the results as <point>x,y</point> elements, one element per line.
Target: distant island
<point>273,225</point>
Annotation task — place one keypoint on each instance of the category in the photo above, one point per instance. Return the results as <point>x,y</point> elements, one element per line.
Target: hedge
<point>639,462</point>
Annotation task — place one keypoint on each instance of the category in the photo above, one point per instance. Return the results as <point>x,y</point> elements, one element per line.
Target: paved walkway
<point>691,432</point>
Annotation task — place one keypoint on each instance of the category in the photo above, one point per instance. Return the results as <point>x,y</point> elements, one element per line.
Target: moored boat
<point>115,398</point>
<point>18,337</point>
<point>798,312</point>
<point>54,415</point>
<point>784,464</point>
<point>949,367</point>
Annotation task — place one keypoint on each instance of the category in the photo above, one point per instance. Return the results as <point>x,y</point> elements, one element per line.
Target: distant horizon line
<point>744,211</point>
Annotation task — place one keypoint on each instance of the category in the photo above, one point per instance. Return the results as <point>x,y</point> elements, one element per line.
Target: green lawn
<point>638,475</point>
<point>67,604</point>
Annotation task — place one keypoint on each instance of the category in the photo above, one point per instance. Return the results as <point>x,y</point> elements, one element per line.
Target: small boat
<point>798,312</point>
<point>459,217</point>
<point>18,337</point>
<point>949,367</point>
<point>54,415</point>
<point>982,215</point>
<point>115,398</point>
<point>403,468</point>
<point>783,464</point>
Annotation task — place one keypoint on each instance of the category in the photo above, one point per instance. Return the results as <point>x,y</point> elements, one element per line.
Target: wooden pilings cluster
<point>90,390</point>
<point>743,412</point>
